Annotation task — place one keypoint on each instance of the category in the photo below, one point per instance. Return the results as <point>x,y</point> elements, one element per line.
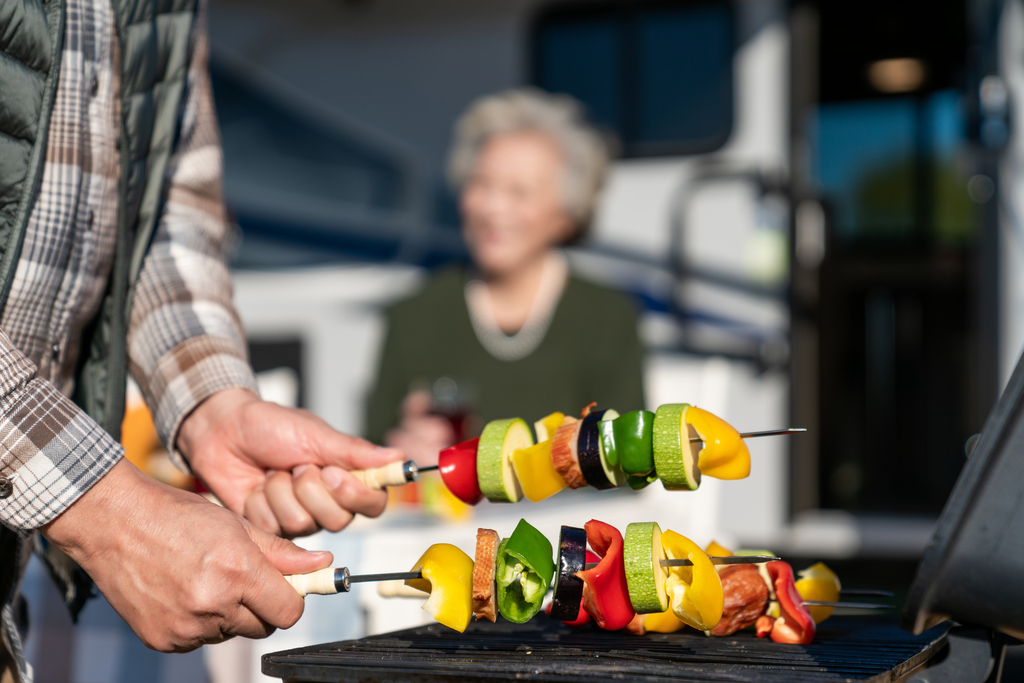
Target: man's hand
<point>285,470</point>
<point>421,434</point>
<point>181,571</point>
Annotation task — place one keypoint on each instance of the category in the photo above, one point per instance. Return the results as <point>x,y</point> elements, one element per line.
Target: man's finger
<point>352,453</point>
<point>293,518</point>
<point>351,494</point>
<point>312,494</point>
<point>257,510</point>
<point>243,622</point>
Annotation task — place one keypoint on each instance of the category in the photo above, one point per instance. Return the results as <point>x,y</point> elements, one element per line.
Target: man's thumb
<point>287,557</point>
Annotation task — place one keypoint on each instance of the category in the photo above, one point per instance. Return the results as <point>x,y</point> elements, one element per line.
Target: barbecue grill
<point>544,650</point>
<point>965,605</point>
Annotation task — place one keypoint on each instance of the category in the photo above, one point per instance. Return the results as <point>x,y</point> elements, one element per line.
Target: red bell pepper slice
<point>605,593</point>
<point>795,623</point>
<point>457,466</point>
<point>763,625</point>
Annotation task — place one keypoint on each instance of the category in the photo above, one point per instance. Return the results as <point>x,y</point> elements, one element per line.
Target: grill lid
<point>972,568</point>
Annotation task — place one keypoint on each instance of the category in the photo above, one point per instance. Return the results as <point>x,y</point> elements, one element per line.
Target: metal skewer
<point>332,580</point>
<point>867,591</point>
<point>399,473</point>
<point>732,559</point>
<point>695,439</point>
<point>854,605</point>
<point>338,580</point>
<point>770,432</point>
<point>393,576</point>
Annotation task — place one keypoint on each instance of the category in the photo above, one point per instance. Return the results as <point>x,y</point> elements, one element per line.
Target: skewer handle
<point>327,581</point>
<point>320,582</point>
<point>394,473</point>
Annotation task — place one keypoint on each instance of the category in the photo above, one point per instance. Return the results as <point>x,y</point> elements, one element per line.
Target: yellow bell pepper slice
<point>725,455</point>
<point>696,592</point>
<point>536,473</point>
<point>818,582</point>
<point>716,550</point>
<point>546,426</point>
<point>448,577</point>
<point>667,621</point>
<point>662,622</point>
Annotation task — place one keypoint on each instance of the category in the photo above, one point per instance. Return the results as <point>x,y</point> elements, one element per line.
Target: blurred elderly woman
<point>516,334</point>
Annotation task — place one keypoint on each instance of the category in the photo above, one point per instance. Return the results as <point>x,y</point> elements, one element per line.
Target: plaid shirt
<point>185,341</point>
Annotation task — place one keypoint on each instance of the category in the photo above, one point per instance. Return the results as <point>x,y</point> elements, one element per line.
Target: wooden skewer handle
<point>320,582</point>
<point>393,474</point>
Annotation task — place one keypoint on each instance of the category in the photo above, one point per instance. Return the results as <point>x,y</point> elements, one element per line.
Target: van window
<point>891,169</point>
<point>658,75</point>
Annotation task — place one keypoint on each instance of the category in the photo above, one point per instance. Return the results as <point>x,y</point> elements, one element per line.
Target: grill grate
<point>845,649</point>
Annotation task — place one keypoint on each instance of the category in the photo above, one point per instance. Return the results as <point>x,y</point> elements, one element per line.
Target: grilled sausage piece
<point>485,597</point>
<point>746,598</point>
<point>563,453</point>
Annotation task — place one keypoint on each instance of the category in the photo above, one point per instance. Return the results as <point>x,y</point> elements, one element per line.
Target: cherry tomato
<point>457,466</point>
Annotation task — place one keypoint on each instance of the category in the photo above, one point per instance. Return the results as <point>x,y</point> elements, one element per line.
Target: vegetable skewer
<point>644,580</point>
<point>333,580</point>
<point>398,474</point>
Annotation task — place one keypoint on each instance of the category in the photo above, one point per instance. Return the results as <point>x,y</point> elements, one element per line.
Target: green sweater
<point>591,352</point>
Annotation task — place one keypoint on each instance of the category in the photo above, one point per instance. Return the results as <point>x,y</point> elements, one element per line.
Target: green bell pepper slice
<point>634,440</point>
<point>639,481</point>
<point>524,572</point>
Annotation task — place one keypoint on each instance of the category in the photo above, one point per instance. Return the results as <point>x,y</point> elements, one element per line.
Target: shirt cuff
<point>52,453</point>
<point>191,372</point>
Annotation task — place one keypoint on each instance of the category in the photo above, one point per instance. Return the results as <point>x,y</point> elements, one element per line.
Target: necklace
<point>526,340</point>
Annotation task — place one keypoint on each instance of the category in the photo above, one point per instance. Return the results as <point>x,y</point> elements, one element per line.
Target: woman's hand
<point>421,434</point>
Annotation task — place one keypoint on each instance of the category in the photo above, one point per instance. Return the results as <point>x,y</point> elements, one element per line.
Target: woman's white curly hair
<point>560,118</point>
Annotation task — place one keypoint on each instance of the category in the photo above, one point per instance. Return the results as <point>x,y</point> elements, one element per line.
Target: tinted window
<point>889,169</point>
<point>582,60</point>
<point>684,74</point>
<point>657,75</point>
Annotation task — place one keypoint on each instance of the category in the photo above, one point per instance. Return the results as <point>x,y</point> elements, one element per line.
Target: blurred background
<point>816,209</point>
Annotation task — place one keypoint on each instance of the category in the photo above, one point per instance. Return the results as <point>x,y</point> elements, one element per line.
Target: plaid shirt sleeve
<point>50,450</point>
<point>185,340</point>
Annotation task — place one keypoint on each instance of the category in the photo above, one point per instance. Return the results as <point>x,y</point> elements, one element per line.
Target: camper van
<point>813,205</point>
<point>816,207</point>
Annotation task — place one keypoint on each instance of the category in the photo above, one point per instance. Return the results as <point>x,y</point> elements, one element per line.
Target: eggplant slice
<point>588,451</point>
<point>572,558</point>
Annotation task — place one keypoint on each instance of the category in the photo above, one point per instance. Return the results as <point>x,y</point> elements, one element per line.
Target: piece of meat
<point>485,591</point>
<point>563,453</point>
<point>746,598</point>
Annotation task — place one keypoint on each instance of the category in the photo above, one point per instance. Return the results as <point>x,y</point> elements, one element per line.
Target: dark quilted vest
<point>156,45</point>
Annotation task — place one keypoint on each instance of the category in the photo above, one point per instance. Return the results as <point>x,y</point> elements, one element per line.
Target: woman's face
<point>512,205</point>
